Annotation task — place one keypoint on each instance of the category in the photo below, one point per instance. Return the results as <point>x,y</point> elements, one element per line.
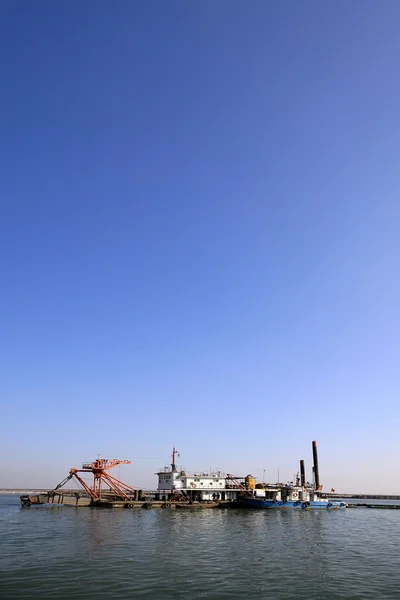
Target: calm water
<point>73,554</point>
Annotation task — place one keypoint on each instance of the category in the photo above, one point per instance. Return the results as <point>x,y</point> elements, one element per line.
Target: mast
<point>173,464</point>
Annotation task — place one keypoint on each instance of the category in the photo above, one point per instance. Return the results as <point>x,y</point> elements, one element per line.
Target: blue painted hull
<point>264,504</point>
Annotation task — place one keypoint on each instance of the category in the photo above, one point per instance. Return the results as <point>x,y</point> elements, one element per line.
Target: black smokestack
<point>316,470</point>
<point>302,473</point>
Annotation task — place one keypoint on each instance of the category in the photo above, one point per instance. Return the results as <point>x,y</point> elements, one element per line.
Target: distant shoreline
<point>365,496</point>
<point>29,490</point>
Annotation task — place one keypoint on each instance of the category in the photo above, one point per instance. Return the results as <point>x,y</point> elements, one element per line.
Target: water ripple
<point>75,554</point>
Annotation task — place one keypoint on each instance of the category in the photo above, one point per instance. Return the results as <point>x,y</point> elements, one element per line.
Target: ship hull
<point>260,503</point>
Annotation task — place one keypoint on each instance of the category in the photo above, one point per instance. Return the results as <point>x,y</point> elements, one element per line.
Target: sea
<point>67,553</point>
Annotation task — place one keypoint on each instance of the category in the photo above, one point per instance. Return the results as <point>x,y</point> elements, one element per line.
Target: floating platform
<point>69,498</point>
<point>77,499</point>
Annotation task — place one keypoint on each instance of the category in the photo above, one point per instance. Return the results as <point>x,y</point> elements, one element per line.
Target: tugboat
<point>299,495</point>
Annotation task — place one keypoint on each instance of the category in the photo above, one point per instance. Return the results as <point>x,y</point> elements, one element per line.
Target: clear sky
<point>199,238</point>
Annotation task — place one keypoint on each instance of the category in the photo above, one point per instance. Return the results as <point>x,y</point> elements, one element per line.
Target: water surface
<point>66,553</point>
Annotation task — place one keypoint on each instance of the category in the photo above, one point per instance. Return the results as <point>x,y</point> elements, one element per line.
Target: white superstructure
<point>195,486</point>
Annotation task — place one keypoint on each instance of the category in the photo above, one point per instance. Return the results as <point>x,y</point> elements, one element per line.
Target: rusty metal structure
<point>101,480</point>
<point>235,483</point>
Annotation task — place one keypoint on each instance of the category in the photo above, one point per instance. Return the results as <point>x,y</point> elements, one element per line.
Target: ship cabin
<point>204,486</point>
<point>288,493</point>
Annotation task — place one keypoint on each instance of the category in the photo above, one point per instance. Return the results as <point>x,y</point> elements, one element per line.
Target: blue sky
<point>199,238</point>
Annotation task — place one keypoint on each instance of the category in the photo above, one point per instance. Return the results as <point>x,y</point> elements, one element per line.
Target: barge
<point>178,488</point>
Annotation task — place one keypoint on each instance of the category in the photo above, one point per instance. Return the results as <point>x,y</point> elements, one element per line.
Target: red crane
<point>99,470</point>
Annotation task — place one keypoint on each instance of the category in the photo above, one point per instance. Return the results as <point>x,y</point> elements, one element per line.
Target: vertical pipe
<point>316,470</point>
<point>173,464</point>
<point>302,473</point>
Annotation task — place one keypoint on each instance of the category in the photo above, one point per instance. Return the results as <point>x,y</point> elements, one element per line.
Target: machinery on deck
<point>101,478</point>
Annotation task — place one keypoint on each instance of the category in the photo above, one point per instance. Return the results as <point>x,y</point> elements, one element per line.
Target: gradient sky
<point>199,238</point>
